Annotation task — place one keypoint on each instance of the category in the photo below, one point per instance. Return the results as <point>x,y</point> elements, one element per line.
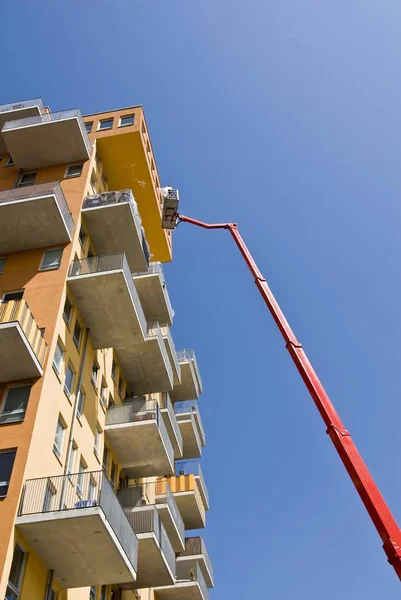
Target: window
<point>103,394</point>
<point>10,162</point>
<point>127,120</point>
<point>88,127</point>
<point>82,236</point>
<point>58,357</point>
<point>95,373</point>
<point>114,371</point>
<point>16,574</point>
<point>74,170</point>
<point>69,380</point>
<point>81,476</point>
<point>77,335</point>
<point>51,259</point>
<point>59,437</point>
<point>14,407</point>
<point>13,296</point>
<point>121,388</point>
<point>105,124</point>
<point>105,460</point>
<point>50,496</point>
<point>73,456</point>
<point>81,402</point>
<point>67,310</point>
<point>6,466</point>
<point>92,593</point>
<point>98,437</point>
<point>27,179</point>
<point>2,264</point>
<point>111,401</point>
<point>113,473</point>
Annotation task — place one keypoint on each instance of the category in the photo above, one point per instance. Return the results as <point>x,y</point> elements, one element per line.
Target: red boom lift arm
<point>363,481</point>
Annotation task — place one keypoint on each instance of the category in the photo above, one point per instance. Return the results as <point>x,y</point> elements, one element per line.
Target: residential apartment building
<point>101,491</point>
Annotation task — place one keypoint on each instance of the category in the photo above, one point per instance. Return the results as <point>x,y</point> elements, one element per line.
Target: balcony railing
<point>50,117</point>
<point>18,311</point>
<point>195,546</point>
<point>189,467</point>
<point>154,331</point>
<point>196,575</point>
<point>134,411</point>
<point>80,491</point>
<point>21,105</point>
<point>147,520</point>
<point>120,197</point>
<point>167,334</point>
<point>166,404</point>
<point>109,262</point>
<point>40,190</point>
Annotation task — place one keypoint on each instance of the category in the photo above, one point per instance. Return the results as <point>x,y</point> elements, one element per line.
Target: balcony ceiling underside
<point>17,359</point>
<point>145,368</point>
<point>13,115</point>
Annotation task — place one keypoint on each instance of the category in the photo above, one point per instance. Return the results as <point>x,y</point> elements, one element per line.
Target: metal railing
<point>183,576</point>
<point>156,268</point>
<point>121,197</point>
<point>187,406</point>
<point>167,334</point>
<point>49,118</point>
<point>189,467</point>
<point>188,355</point>
<point>147,520</point>
<point>41,190</point>
<point>139,410</point>
<point>18,311</point>
<point>167,406</point>
<point>195,546</point>
<point>154,331</point>
<point>82,491</point>
<point>145,495</point>
<point>110,262</point>
<point>23,104</point>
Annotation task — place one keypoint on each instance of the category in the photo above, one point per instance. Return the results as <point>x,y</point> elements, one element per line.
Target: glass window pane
<point>51,259</point>
<point>67,311</point>
<point>81,402</point>
<point>105,124</point>
<point>16,568</point>
<point>88,127</point>
<point>13,296</point>
<point>58,357</point>
<point>69,379</point>
<point>15,404</point>
<point>74,170</point>
<point>127,120</point>
<point>77,333</point>
<point>6,467</point>
<point>2,264</point>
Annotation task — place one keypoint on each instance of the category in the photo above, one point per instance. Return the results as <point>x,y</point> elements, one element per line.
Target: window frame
<point>4,401</point>
<point>9,162</point>
<point>81,402</point>
<point>3,298</point>
<point>130,116</point>
<point>66,319</point>
<point>97,440</point>
<point>59,344</point>
<point>78,343</point>
<point>90,125</point>
<point>67,390</point>
<point>101,121</point>
<point>21,177</point>
<point>58,451</point>
<point>69,175</point>
<point>95,381</point>
<point>82,243</point>
<point>72,458</point>
<point>81,476</point>
<point>10,585</point>
<point>50,268</point>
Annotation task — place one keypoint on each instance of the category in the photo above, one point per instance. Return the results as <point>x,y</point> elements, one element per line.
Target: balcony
<point>114,225</point>
<point>108,301</point>
<point>139,438</point>
<point>171,423</point>
<point>152,291</point>
<point>186,587</point>
<point>156,556</point>
<point>144,495</point>
<point>172,354</point>
<point>146,365</point>
<point>22,345</point>
<point>191,428</point>
<point>47,139</point>
<point>195,553</point>
<point>36,216</point>
<point>190,493</point>
<point>18,110</point>
<point>76,525</point>
<point>190,386</point>
<point>128,160</point>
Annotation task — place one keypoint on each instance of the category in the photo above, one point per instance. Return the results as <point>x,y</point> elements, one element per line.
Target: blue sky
<point>286,117</point>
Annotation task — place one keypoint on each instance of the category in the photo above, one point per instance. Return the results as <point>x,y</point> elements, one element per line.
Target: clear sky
<point>286,117</point>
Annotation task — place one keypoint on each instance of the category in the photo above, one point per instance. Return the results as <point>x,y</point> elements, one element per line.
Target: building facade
<point>101,491</point>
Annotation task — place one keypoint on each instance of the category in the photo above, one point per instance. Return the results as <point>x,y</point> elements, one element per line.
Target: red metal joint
<point>343,432</point>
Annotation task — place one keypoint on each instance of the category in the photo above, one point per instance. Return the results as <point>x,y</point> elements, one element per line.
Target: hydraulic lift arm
<point>365,486</point>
